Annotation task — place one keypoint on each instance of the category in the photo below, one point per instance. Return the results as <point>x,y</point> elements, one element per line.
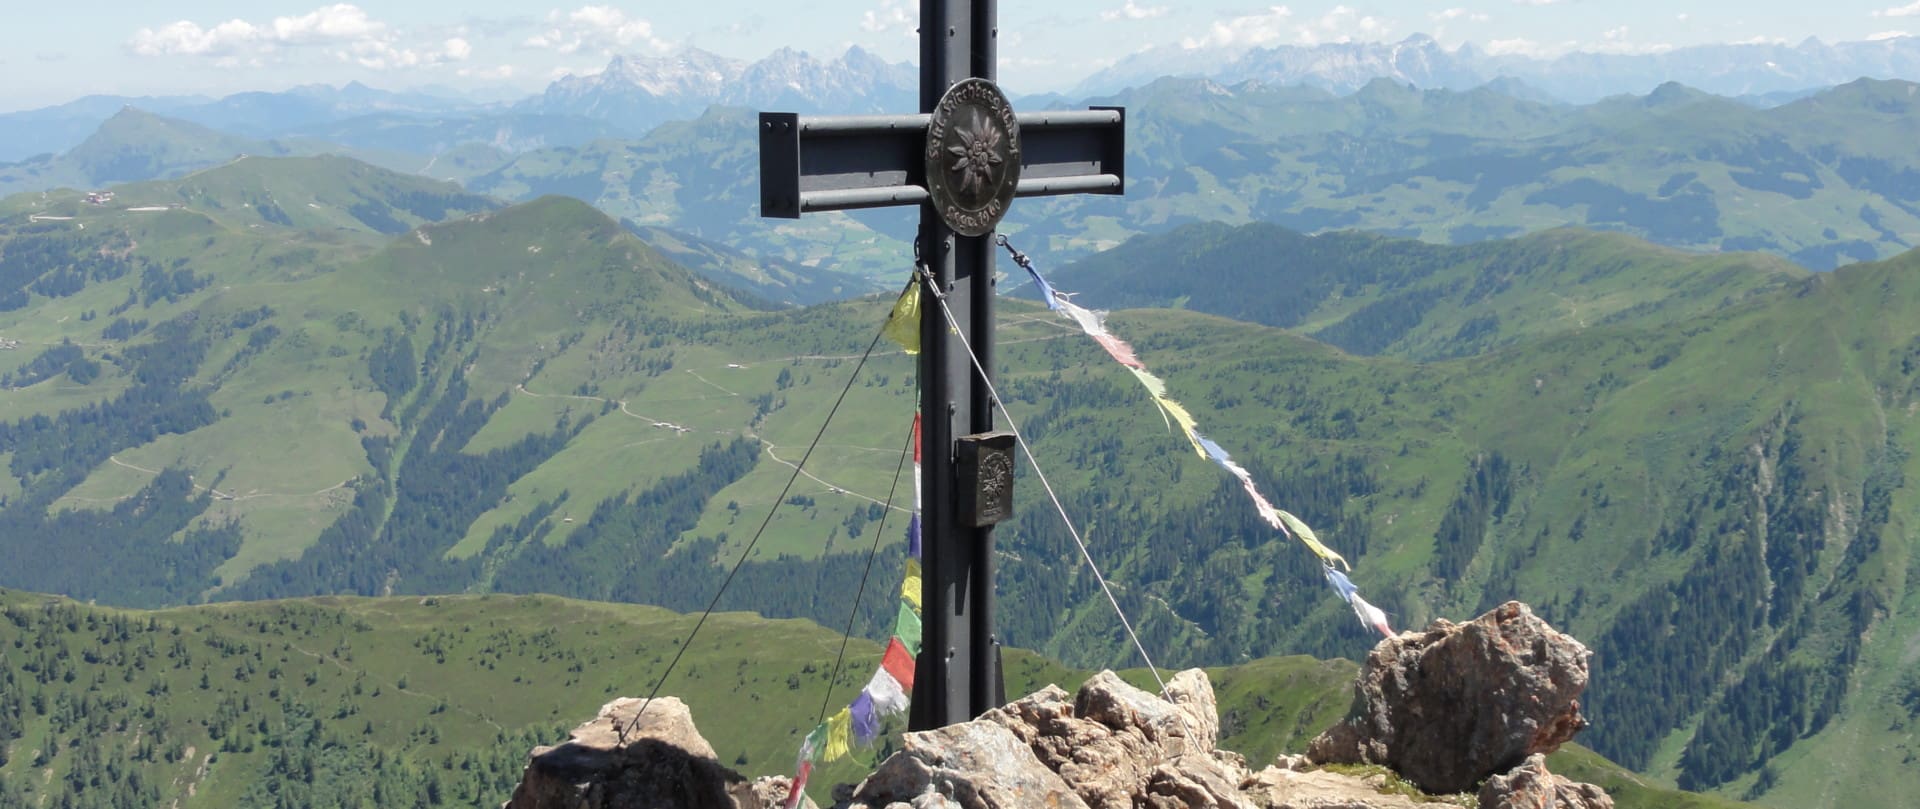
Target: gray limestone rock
<point>1449,706</point>
<point>1530,786</point>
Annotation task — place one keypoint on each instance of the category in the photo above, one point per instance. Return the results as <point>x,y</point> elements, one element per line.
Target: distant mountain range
<point>1755,69</point>
<point>635,93</point>
<point>639,93</point>
<point>1826,179</point>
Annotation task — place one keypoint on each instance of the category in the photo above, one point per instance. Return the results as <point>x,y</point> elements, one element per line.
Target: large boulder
<point>1530,786</point>
<point>615,762</point>
<point>1452,705</point>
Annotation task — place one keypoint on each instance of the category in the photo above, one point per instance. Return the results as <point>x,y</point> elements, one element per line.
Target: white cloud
<point>375,54</point>
<point>327,24</point>
<point>1341,24</point>
<point>1908,10</point>
<point>1537,2</point>
<point>1876,37</point>
<point>602,28</point>
<point>1129,11</point>
<point>186,38</point>
<point>1458,14</point>
<point>892,16</point>
<point>1243,31</point>
<point>342,30</point>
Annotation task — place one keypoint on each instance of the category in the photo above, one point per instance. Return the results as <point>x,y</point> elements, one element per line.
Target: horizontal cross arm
<point>835,163</point>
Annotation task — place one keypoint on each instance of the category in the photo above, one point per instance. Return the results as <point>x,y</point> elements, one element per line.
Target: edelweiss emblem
<point>973,156</point>
<point>977,152</point>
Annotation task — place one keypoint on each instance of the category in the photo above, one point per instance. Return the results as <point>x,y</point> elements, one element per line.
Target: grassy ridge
<point>436,701</point>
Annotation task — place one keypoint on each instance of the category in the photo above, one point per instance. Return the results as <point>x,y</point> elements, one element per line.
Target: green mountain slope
<point>135,145</point>
<point>777,281</point>
<point>132,145</point>
<point>532,400</point>
<point>1373,294</point>
<point>324,194</point>
<point>437,701</point>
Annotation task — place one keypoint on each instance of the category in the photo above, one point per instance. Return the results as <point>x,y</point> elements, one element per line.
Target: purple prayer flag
<point>866,724</point>
<point>1341,583</point>
<point>913,537</point>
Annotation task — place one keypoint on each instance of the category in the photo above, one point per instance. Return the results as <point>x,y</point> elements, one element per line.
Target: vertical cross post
<point>963,159</point>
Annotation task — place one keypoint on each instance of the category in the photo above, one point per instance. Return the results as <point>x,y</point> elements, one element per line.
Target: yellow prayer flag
<point>839,728</point>
<point>903,324</point>
<point>1184,419</point>
<point>1306,537</point>
<point>910,586</point>
<point>1155,386</point>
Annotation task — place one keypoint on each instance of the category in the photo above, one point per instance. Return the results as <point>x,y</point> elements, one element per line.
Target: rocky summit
<point>1450,709</point>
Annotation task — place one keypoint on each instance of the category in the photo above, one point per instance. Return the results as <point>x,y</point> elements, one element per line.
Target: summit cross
<point>962,159</point>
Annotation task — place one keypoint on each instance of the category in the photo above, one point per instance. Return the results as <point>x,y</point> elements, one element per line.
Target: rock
<point>1108,742</point>
<point>978,765</point>
<point>1456,703</point>
<point>663,763</point>
<point>1278,788</point>
<point>1530,786</point>
<point>1112,746</point>
<point>1198,781</point>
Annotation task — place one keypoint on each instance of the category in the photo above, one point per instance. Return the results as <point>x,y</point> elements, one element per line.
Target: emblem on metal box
<point>973,156</point>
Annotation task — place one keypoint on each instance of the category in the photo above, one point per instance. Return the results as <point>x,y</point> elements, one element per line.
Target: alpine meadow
<point>357,442</point>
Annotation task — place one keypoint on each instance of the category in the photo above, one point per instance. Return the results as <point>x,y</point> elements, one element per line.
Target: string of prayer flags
<point>890,690</point>
<point>1094,323</point>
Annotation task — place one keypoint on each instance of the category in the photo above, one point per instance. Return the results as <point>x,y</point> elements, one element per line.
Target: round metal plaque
<point>973,156</point>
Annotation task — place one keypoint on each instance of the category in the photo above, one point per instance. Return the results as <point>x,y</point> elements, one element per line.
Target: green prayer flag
<point>906,627</point>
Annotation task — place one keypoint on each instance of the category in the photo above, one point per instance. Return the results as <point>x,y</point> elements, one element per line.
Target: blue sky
<point>53,52</point>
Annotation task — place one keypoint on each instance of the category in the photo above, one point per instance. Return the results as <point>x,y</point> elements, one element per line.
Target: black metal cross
<point>962,160</point>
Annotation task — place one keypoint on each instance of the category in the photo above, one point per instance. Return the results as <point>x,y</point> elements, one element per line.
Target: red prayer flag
<point>898,664</point>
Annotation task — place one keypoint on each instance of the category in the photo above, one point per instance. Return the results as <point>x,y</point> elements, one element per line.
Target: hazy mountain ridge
<point>639,92</point>
<point>1736,69</point>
